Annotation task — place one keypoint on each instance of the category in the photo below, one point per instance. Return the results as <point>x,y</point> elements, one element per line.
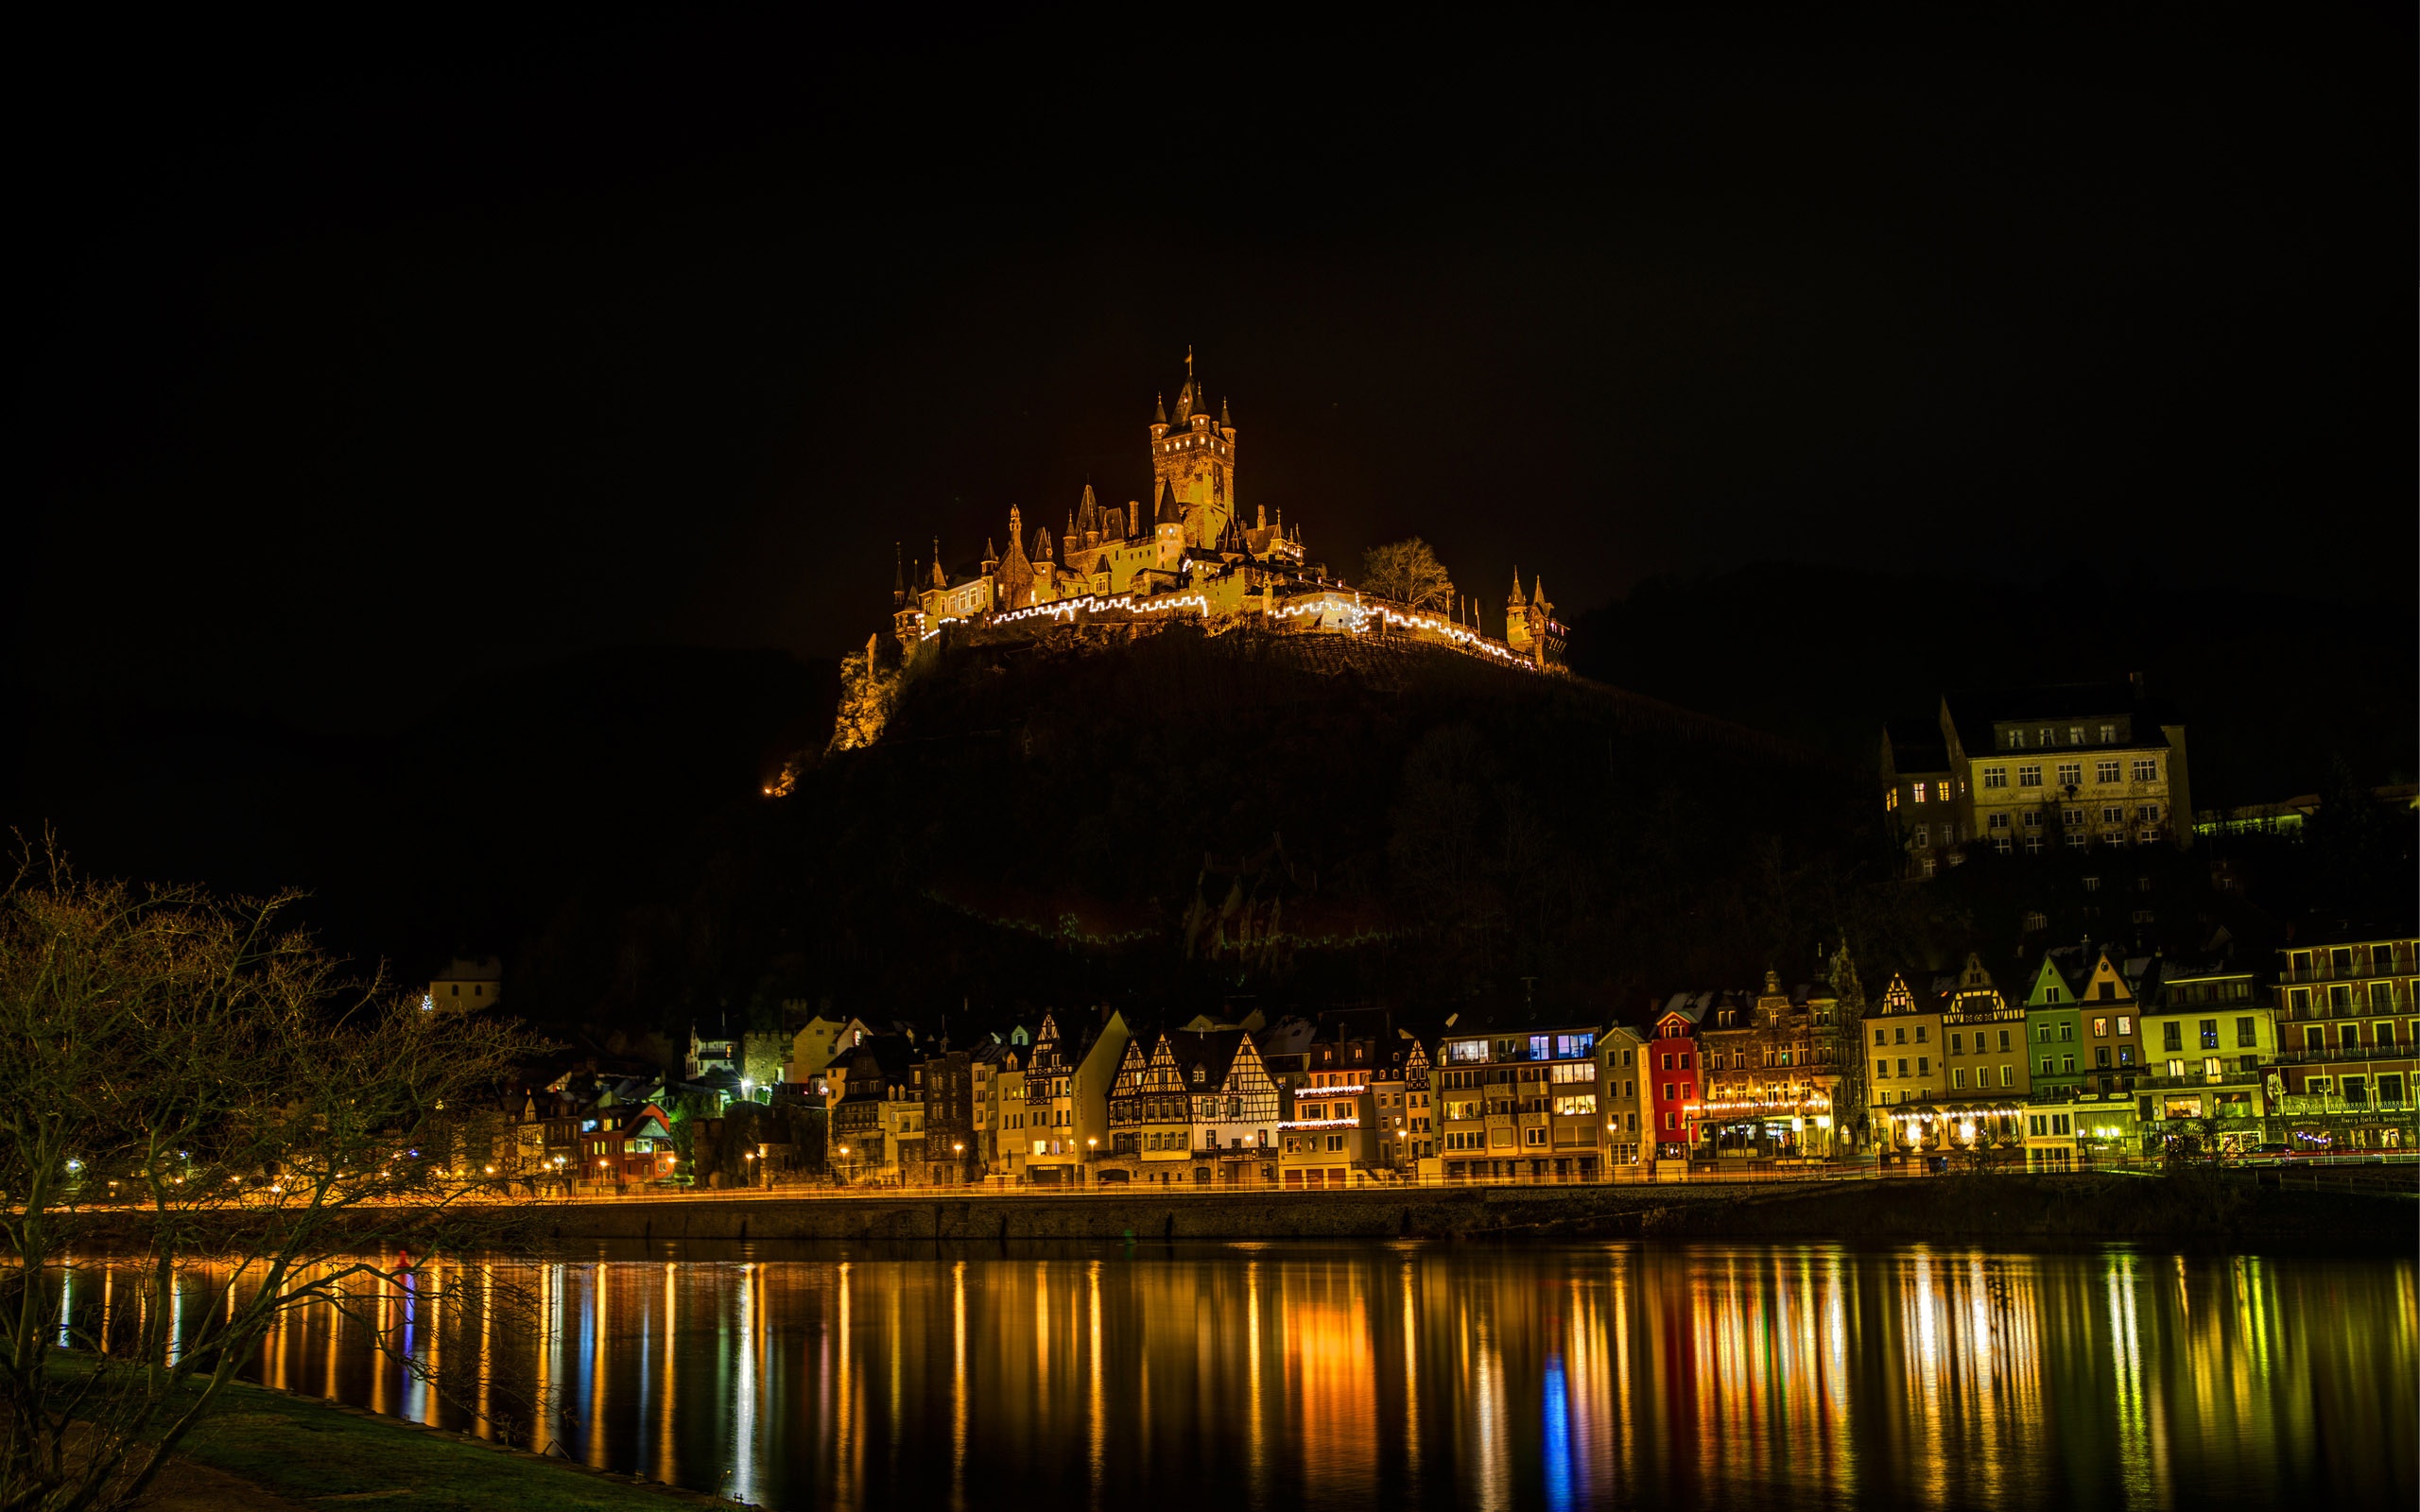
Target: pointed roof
<point>1042,543</point>
<point>1537,593</point>
<point>1224,423</point>
<point>1516,587</point>
<point>1159,409</point>
<point>898,570</point>
<point>1212,1051</point>
<point>1188,398</point>
<point>941,579</point>
<point>1167,513</point>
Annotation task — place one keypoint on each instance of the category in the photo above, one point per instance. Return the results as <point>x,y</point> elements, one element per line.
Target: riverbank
<point>299,1449</point>
<point>2070,1207</point>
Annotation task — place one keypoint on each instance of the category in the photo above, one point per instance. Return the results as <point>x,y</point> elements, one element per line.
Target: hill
<point>1190,817</point>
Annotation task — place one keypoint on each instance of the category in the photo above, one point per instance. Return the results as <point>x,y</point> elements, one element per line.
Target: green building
<point>2085,1059</point>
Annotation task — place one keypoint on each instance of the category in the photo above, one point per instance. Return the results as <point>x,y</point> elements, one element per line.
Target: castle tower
<point>907,611</point>
<point>1530,625</point>
<point>1516,618</point>
<point>1017,570</point>
<point>1169,529</point>
<point>1193,456</point>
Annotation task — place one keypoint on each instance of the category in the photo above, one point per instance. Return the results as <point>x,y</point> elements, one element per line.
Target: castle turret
<point>1168,529</point>
<point>941,579</point>
<point>1517,617</point>
<point>898,577</point>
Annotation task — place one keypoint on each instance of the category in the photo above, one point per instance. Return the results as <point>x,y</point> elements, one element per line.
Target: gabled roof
<point>1683,1005</point>
<point>1212,1051</point>
<point>2068,966</point>
<point>878,1063</point>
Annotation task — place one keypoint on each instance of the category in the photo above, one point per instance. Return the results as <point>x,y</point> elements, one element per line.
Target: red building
<point>629,1146</point>
<point>1674,1087</point>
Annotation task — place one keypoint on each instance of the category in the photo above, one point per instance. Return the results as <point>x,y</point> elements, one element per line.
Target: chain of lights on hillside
<point>1359,616</point>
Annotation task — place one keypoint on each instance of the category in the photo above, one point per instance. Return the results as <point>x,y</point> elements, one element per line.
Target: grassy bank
<point>315,1452</point>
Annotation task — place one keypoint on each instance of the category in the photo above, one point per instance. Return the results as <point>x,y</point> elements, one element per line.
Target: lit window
<point>2075,734</point>
<point>2108,733</point>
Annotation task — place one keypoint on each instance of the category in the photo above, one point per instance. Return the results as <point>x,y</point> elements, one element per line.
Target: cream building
<point>2073,767</point>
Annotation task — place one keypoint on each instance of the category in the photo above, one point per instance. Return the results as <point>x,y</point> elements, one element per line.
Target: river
<point>1280,1375</point>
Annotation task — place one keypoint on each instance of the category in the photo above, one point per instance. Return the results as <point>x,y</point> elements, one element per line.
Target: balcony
<point>2301,1057</point>
<point>2307,1106</point>
<point>2362,970</point>
<point>2194,1080</point>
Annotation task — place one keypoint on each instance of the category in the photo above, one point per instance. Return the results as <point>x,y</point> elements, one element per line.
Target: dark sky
<point>353,363</point>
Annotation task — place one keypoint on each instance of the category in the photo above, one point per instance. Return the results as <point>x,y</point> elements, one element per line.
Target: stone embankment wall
<point>2002,1208</point>
<point>1415,1213</point>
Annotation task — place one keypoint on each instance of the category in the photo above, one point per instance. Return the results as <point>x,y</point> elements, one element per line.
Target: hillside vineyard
<point>1189,556</point>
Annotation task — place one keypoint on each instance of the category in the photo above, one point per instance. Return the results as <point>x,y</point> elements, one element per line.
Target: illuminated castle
<point>1192,554</point>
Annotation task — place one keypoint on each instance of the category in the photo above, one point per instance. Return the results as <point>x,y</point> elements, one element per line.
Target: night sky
<point>363,362</point>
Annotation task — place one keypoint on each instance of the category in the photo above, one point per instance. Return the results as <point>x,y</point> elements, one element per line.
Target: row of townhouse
<point>1084,1099</point>
<point>2104,1057</point>
<point>2085,1054</point>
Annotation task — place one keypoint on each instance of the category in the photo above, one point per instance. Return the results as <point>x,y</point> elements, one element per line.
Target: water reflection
<point>1265,1376</point>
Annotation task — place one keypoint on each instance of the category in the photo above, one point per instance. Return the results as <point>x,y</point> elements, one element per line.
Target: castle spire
<point>1017,573</point>
<point>1516,587</point>
<point>941,579</point>
<point>1224,423</point>
<point>1159,409</point>
<point>898,577</point>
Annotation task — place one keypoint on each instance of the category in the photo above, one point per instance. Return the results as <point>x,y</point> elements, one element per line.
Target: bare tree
<point>1408,573</point>
<point>188,1079</point>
